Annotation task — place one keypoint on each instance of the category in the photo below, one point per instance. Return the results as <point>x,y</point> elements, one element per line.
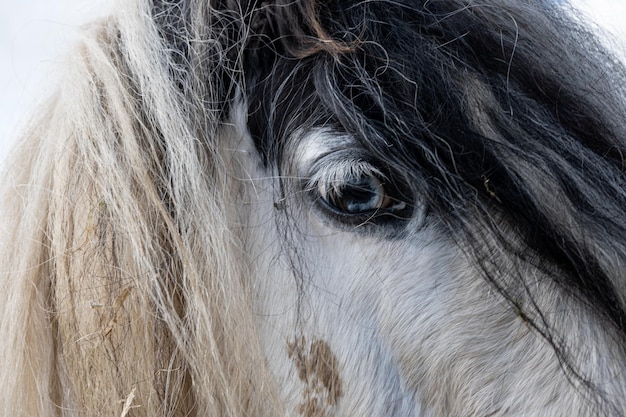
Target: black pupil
<point>357,196</point>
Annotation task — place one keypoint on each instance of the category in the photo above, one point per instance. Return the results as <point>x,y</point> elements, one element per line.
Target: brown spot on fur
<point>318,369</point>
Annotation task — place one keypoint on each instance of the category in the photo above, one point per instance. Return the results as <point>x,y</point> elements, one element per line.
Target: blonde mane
<point>119,265</point>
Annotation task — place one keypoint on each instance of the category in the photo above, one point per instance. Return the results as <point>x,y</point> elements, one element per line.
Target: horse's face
<point>357,291</point>
<point>392,248</point>
<point>364,302</point>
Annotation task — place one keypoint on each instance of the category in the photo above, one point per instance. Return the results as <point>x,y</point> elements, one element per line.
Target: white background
<point>34,34</point>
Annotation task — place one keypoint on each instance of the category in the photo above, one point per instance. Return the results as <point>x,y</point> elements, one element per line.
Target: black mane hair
<point>504,117</point>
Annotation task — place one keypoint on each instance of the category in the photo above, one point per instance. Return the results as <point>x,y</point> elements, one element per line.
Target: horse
<point>318,208</point>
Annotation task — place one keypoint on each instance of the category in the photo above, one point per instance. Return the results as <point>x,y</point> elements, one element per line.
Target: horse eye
<point>359,195</point>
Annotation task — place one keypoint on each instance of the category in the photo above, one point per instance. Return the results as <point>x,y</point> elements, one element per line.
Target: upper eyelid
<point>338,171</point>
<point>322,144</point>
<point>328,156</point>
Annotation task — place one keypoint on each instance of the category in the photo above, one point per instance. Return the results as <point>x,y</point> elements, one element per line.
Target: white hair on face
<point>116,225</point>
